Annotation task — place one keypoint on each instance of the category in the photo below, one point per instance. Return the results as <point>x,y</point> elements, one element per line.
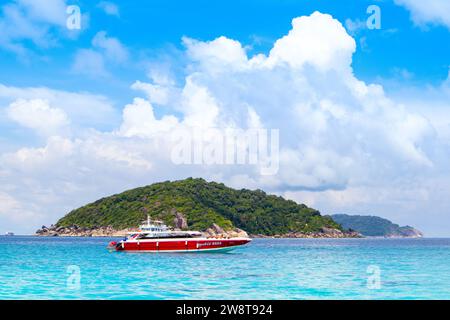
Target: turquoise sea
<point>82,268</point>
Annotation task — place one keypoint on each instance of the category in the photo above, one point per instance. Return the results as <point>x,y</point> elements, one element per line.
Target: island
<point>196,204</point>
<point>373,226</point>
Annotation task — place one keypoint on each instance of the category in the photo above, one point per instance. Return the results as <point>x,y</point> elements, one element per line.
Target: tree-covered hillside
<point>202,204</point>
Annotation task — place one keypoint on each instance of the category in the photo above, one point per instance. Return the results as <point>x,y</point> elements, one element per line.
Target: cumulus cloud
<point>51,11</point>
<point>38,115</point>
<point>7,204</point>
<point>105,50</point>
<point>354,26</point>
<point>139,120</point>
<point>162,89</point>
<point>338,134</point>
<point>89,62</point>
<point>112,47</point>
<point>109,8</point>
<point>29,20</point>
<point>83,110</point>
<point>428,12</point>
<point>309,42</point>
<point>216,54</point>
<point>159,94</point>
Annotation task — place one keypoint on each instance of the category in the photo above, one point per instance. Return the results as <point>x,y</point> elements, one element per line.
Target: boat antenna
<point>148,219</point>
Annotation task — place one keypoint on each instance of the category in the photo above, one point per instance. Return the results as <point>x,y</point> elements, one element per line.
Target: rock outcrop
<point>179,222</point>
<point>324,233</point>
<point>213,231</point>
<point>217,231</point>
<point>76,231</point>
<point>406,232</point>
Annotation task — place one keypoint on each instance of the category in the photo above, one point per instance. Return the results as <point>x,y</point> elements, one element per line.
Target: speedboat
<point>155,236</point>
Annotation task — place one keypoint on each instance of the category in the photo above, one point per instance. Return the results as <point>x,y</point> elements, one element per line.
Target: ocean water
<point>82,268</point>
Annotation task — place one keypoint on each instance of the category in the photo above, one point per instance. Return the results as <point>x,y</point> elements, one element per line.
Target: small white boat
<point>9,234</point>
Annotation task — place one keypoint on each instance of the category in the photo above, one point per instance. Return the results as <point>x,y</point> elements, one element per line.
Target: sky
<point>360,100</point>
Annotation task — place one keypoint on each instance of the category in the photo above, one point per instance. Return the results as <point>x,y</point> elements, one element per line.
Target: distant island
<point>196,204</point>
<point>372,226</point>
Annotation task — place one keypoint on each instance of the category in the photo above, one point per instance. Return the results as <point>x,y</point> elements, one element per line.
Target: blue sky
<point>153,28</point>
<point>83,83</point>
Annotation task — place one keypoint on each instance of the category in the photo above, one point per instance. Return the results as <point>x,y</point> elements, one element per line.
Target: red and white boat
<point>155,236</point>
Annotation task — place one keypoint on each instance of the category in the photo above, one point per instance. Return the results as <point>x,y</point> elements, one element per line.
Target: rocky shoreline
<point>213,231</point>
<point>76,231</point>
<point>108,231</point>
<point>329,233</point>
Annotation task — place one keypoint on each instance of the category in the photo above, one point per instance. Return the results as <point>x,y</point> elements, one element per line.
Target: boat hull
<point>180,245</point>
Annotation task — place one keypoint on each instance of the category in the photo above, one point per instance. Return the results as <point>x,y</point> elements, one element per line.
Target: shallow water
<point>47,268</point>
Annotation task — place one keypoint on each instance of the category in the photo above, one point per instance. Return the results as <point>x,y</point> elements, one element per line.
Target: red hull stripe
<point>180,245</point>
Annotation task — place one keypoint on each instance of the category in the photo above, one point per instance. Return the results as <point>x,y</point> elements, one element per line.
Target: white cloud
<point>30,20</point>
<point>106,50</point>
<point>162,90</point>
<point>111,47</point>
<point>38,115</point>
<point>199,106</point>
<point>317,40</point>
<point>158,94</point>
<point>219,53</point>
<point>160,76</point>
<point>82,109</point>
<point>428,12</point>
<point>49,11</point>
<point>109,8</point>
<point>13,213</point>
<point>337,133</point>
<point>139,120</point>
<point>30,159</point>
<point>7,204</point>
<point>354,26</point>
<point>89,62</point>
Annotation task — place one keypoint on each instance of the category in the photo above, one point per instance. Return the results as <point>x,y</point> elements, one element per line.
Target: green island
<point>199,205</point>
<point>373,226</point>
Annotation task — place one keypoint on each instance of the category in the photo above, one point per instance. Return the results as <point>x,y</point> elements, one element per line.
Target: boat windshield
<point>153,229</point>
<point>171,235</point>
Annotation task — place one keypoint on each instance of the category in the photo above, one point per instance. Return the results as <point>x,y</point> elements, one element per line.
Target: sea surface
<point>82,268</point>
